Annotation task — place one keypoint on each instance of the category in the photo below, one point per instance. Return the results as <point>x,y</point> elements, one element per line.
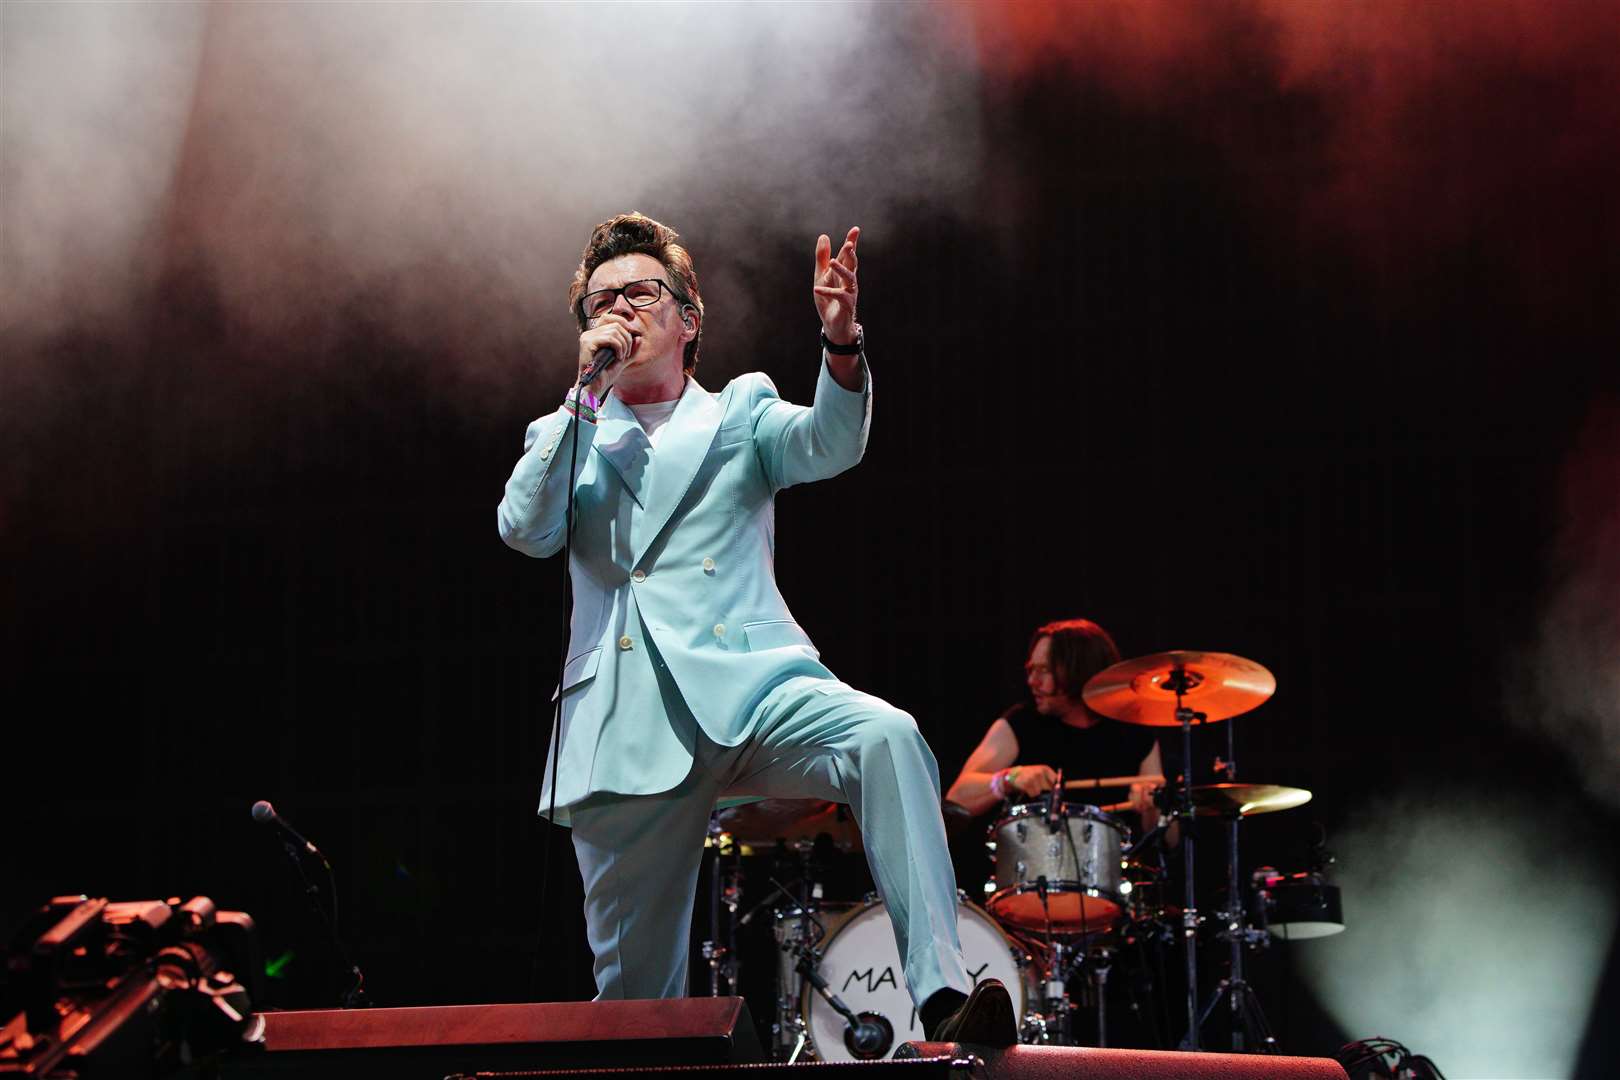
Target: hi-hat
<point>1243,800</point>
<point>1143,691</point>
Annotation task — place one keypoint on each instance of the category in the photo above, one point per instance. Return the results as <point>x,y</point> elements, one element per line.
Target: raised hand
<point>834,287</point>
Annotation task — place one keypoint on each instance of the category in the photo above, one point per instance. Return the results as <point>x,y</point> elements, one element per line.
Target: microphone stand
<point>355,996</point>
<point>868,1035</point>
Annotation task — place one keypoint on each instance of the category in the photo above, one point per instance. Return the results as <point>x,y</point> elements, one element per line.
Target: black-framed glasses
<point>641,294</point>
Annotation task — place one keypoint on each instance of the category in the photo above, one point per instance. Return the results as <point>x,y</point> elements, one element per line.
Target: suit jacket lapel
<point>620,440</point>
<point>682,447</point>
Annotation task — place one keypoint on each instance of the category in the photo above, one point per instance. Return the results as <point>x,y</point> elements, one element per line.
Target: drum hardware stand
<point>803,894</point>
<point>1055,1022</point>
<point>725,888</point>
<point>1058,1023</point>
<point>1099,979</point>
<point>1057,996</point>
<point>1247,1016</point>
<point>1179,684</point>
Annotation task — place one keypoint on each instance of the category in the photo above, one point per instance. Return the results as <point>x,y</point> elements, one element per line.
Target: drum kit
<point>1070,887</point>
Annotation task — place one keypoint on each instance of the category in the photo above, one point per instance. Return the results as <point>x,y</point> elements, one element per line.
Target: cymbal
<point>1140,691</point>
<point>1244,800</point>
<point>759,825</point>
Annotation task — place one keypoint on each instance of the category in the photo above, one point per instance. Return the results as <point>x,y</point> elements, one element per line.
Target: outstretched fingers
<point>846,254</point>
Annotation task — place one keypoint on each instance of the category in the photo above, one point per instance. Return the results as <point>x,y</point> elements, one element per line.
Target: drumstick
<point>1111,781</point>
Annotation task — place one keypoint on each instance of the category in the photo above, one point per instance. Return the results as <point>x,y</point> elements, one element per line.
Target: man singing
<point>688,678</point>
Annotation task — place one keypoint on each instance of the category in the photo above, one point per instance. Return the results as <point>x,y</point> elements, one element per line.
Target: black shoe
<point>986,1018</point>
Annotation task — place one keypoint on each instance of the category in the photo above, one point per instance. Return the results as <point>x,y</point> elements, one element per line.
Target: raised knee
<point>891,727</point>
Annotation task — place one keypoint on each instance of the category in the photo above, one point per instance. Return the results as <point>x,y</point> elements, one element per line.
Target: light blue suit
<point>689,679</point>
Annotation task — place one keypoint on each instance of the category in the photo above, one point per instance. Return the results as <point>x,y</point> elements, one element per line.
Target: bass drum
<point>861,964</point>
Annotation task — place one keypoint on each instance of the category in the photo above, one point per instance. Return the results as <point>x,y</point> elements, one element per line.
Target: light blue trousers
<point>639,855</point>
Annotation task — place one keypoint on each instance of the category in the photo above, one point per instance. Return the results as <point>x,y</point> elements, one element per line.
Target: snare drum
<point>1068,871</point>
<point>861,964</point>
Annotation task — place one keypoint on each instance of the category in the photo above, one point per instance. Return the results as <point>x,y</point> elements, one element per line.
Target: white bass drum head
<point>861,964</point>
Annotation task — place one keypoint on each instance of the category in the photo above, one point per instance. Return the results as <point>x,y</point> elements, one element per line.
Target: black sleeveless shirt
<point>1106,748</point>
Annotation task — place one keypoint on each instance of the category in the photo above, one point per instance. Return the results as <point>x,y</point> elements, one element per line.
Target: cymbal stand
<point>1248,1018</point>
<point>1179,683</point>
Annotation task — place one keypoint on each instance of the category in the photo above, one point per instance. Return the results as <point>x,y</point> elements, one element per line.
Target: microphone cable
<point>554,740</point>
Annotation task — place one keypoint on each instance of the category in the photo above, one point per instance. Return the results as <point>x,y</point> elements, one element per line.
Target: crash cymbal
<point>1141,691</point>
<point>1243,800</point>
<point>759,825</point>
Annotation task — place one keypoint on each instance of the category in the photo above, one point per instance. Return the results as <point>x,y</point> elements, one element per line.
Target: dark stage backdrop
<point>1128,383</point>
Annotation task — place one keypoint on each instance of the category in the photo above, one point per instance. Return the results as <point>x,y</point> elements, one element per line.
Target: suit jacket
<point>673,561</point>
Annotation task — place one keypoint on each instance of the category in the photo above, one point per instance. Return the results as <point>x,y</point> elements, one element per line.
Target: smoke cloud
<point>93,111</point>
<point>435,168</point>
<point>1569,689</point>
<point>1473,934</point>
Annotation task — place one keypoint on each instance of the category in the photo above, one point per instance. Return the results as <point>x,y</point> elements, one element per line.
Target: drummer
<point>1019,757</point>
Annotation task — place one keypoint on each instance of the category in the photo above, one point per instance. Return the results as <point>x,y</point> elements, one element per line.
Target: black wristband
<point>858,345</point>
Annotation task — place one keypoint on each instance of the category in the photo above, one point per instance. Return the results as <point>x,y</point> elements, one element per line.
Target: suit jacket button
<point>708,566</point>
<point>625,642</point>
<point>720,629</point>
<point>639,576</point>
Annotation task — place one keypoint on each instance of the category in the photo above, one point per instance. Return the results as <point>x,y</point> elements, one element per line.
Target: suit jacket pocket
<point>579,669</point>
<point>776,634</point>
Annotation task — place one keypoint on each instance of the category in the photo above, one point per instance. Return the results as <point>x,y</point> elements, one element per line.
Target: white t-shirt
<point>652,417</point>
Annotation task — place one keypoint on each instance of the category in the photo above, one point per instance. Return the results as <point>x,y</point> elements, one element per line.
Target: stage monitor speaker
<point>1092,1063</point>
<point>952,1061</point>
<point>431,1042</point>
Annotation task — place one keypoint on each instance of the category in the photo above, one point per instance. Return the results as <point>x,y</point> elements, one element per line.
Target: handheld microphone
<point>599,363</point>
<point>265,814</point>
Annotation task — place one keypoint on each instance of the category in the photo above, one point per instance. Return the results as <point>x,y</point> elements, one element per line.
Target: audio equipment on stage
<point>922,1068</point>
<point>135,988</point>
<point>325,909</point>
<point>1094,1063</point>
<point>953,1061</point>
<point>429,1042</point>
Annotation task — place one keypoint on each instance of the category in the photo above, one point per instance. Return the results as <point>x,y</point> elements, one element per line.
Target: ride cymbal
<point>1143,691</point>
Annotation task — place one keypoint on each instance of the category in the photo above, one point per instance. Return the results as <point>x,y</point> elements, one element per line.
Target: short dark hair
<point>1080,649</point>
<point>636,234</point>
